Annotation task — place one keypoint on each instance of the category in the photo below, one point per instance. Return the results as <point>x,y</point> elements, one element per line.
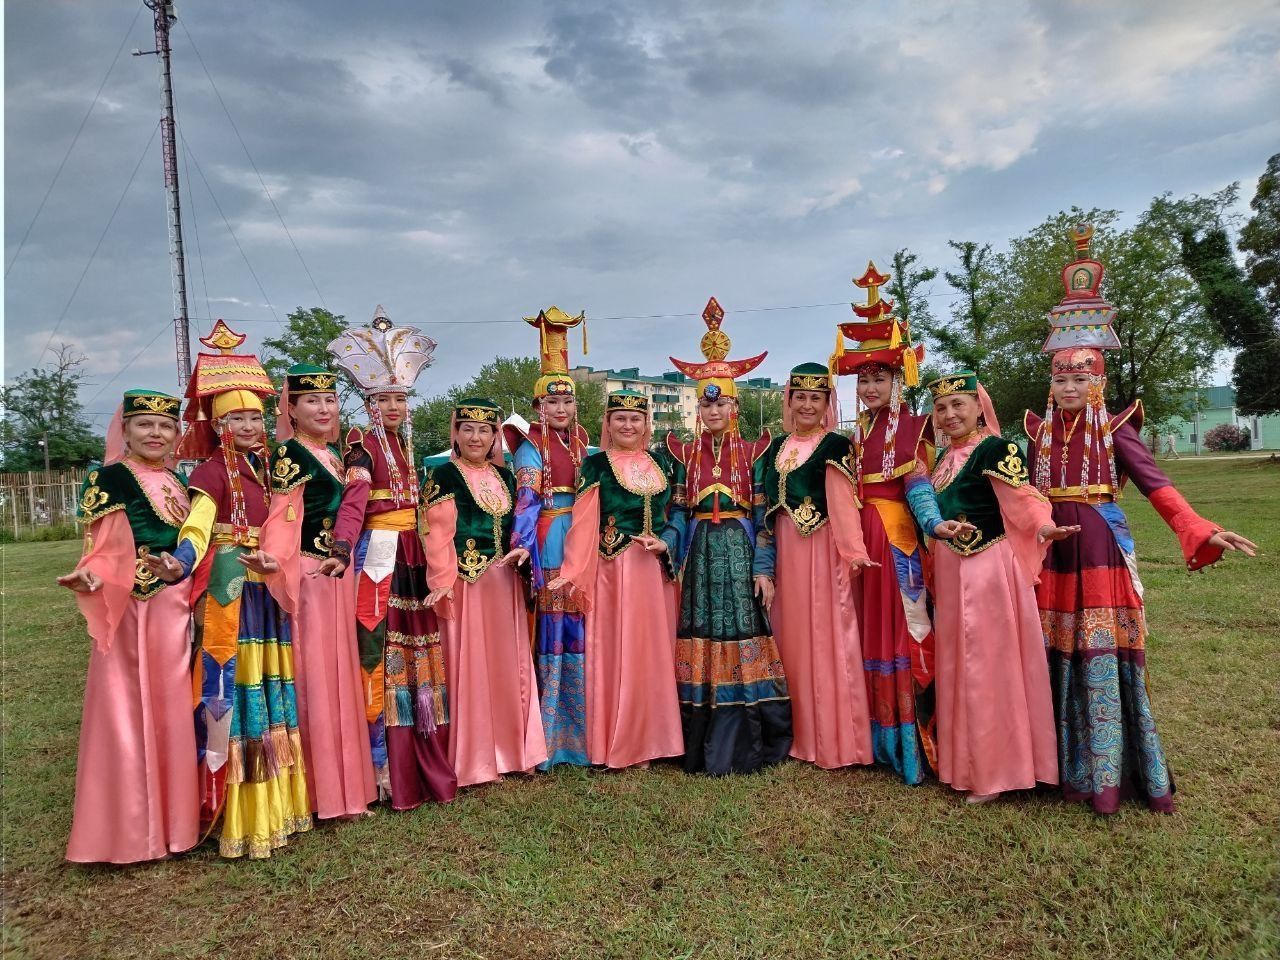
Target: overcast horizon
<point>477,162</point>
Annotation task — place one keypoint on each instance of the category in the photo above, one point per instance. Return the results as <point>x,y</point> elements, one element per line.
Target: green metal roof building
<point>1214,406</point>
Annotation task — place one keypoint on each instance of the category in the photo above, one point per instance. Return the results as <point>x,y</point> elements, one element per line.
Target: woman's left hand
<point>952,528</point>
<point>653,544</point>
<point>1227,540</point>
<point>515,558</point>
<point>435,596</point>
<point>165,566</point>
<point>858,564</point>
<point>1058,533</point>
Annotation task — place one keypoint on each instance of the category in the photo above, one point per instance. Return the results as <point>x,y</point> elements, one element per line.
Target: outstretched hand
<point>515,558</point>
<point>83,580</point>
<point>259,562</point>
<point>1226,540</point>
<point>858,564</point>
<point>332,567</point>
<point>435,596</point>
<point>1058,533</point>
<point>652,544</point>
<point>952,528</point>
<point>165,566</point>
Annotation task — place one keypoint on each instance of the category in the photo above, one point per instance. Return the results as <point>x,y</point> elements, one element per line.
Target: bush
<point>60,531</point>
<point>1226,436</point>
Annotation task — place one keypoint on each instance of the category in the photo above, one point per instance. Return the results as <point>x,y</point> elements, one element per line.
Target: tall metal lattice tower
<point>164,18</point>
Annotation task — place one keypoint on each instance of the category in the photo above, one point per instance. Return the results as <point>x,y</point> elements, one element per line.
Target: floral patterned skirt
<point>1091,611</point>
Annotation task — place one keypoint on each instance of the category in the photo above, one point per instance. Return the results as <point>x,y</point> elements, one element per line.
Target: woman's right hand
<point>765,590</point>
<point>83,580</point>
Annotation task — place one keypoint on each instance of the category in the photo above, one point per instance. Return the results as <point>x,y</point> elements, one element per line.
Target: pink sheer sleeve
<point>846,527</point>
<point>442,557</point>
<point>281,537</point>
<point>109,553</point>
<point>1025,511</point>
<point>582,547</point>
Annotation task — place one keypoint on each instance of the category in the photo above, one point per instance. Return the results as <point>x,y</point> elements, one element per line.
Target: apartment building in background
<point>673,395</point>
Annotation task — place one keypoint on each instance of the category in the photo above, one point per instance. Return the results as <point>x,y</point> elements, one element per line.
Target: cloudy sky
<point>464,163</point>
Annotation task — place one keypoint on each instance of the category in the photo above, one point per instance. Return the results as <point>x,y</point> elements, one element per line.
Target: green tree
<point>910,305</point>
<point>966,337</point>
<point>1233,305</point>
<point>1260,237</point>
<point>1257,390</point>
<point>304,340</point>
<point>42,407</point>
<point>759,410</point>
<point>509,382</point>
<point>1164,331</point>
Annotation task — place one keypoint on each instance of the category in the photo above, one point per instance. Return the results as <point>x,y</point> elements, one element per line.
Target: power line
<point>97,246</point>
<point>134,359</point>
<point>74,140</point>
<point>279,216</point>
<point>227,223</point>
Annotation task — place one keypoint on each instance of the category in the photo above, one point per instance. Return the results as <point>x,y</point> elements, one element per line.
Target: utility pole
<point>164,18</point>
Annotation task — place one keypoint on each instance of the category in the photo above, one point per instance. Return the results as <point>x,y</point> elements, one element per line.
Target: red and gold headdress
<point>716,376</point>
<point>222,383</point>
<point>883,342</point>
<point>553,326</point>
<point>1080,329</point>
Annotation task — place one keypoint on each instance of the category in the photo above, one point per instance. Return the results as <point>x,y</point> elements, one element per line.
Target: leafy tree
<point>1260,237</point>
<point>909,304</point>
<point>757,410</point>
<point>509,382</point>
<point>304,340</point>
<point>43,406</point>
<point>1164,331</point>
<point>1233,304</point>
<point>1257,389</point>
<point>966,338</point>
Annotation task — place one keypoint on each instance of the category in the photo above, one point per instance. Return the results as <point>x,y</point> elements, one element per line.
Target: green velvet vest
<point>970,498</point>
<point>293,465</point>
<point>802,492</point>
<point>114,487</point>
<point>624,514</point>
<point>480,536</point>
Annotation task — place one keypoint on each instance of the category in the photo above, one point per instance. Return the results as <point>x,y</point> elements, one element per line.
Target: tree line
<point>1173,275</point>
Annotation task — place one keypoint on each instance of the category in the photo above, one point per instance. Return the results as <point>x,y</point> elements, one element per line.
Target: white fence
<point>38,499</point>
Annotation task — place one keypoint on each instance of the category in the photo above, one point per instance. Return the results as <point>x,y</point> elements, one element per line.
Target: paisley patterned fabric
<point>1094,625</point>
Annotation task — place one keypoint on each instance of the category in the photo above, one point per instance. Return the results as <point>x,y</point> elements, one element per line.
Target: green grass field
<point>794,863</point>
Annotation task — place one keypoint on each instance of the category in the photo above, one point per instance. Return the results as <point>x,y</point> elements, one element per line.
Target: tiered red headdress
<point>1080,329</point>
<point>884,342</point>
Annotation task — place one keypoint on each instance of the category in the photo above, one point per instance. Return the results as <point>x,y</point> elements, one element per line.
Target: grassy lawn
<point>794,863</point>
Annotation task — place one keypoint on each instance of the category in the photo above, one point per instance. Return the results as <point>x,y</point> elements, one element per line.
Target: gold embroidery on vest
<point>143,578</point>
<point>94,497</point>
<point>611,537</point>
<point>472,563</point>
<point>324,541</point>
<point>1012,466</point>
<point>806,517</point>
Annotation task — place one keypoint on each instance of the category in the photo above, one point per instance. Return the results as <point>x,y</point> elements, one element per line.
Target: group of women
<point>917,595</point>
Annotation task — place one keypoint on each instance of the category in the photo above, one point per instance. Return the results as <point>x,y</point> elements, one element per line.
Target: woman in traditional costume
<point>1090,596</point>
<point>807,556</point>
<point>619,569</point>
<point>995,718</point>
<point>734,706</point>
<point>894,453</point>
<point>405,689</point>
<point>477,593</point>
<point>315,586</point>
<point>546,461</point>
<point>136,787</point>
<point>252,782</point>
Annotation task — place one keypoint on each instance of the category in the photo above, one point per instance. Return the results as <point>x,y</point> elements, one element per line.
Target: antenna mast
<point>164,18</point>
